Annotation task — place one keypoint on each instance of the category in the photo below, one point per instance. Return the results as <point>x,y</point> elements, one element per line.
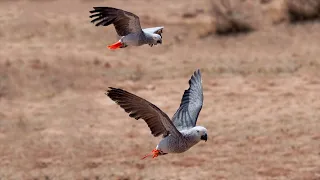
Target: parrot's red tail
<point>115,45</point>
<point>155,153</point>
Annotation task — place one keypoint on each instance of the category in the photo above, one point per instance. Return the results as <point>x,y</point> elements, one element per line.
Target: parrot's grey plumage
<point>154,30</point>
<point>127,26</point>
<point>191,104</point>
<point>181,133</point>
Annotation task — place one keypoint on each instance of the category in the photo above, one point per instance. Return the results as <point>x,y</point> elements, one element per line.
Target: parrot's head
<point>157,39</point>
<point>200,133</point>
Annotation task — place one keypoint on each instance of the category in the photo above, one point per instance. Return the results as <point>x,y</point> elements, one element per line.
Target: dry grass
<point>261,92</point>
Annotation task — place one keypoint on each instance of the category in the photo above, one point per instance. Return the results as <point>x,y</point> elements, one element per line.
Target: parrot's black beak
<point>159,41</point>
<point>204,137</point>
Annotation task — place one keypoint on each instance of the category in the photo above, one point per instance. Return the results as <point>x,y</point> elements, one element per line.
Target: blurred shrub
<point>303,10</point>
<point>234,16</point>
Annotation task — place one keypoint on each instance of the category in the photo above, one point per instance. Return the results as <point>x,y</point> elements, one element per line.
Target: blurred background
<point>260,64</point>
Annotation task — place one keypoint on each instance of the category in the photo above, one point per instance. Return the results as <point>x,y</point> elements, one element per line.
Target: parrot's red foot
<point>115,45</point>
<point>154,153</point>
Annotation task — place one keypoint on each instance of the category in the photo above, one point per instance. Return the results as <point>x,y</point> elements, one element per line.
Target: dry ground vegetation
<point>261,89</point>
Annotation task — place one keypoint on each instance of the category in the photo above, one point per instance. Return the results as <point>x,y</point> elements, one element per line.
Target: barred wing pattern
<point>191,104</point>
<point>123,21</point>
<point>137,107</point>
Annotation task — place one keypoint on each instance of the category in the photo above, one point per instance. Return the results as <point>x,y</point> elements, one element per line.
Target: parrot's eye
<point>197,131</point>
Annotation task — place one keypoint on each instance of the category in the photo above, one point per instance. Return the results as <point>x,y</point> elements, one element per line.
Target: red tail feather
<point>154,153</point>
<point>115,45</point>
<point>146,156</point>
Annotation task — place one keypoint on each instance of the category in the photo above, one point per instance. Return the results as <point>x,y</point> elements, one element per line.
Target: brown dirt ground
<point>261,106</point>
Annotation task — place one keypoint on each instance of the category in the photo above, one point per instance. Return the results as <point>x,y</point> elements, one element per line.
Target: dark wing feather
<point>191,104</point>
<point>158,122</point>
<point>123,21</point>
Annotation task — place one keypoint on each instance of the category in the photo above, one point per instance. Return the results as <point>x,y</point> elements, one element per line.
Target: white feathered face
<point>157,39</point>
<point>201,133</point>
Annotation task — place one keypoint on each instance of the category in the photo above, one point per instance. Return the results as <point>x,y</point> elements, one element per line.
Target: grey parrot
<point>127,26</point>
<point>181,133</point>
